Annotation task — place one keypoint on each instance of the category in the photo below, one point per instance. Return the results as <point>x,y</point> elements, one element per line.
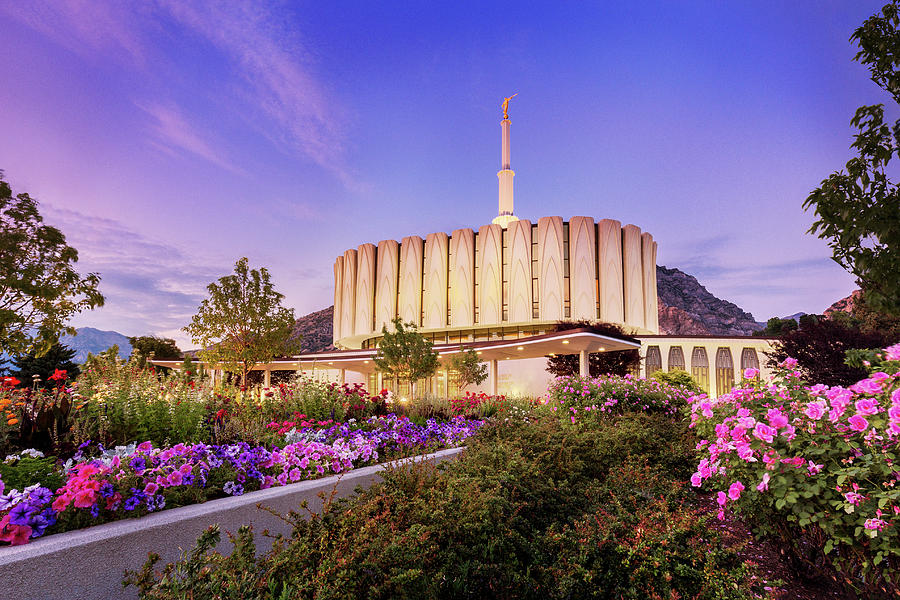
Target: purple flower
<point>20,514</point>
<point>106,490</point>
<point>233,488</point>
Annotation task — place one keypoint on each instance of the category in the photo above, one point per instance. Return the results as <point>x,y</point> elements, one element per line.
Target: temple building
<point>500,289</point>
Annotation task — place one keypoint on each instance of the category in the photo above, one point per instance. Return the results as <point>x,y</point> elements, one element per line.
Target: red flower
<point>58,375</point>
<point>11,381</point>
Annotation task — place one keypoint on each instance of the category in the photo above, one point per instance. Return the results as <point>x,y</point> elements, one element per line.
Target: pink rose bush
<point>614,394</point>
<point>810,457</point>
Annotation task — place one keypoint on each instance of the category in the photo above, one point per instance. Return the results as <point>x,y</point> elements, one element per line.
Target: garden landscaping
<point>609,487</point>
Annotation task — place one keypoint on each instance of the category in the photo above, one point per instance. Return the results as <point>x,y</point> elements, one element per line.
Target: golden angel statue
<point>505,105</point>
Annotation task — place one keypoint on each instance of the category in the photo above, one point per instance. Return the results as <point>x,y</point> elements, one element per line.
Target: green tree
<point>242,323</point>
<point>820,346</point>
<point>150,345</point>
<point>620,362</point>
<point>469,368</point>
<point>58,358</point>
<point>404,353</point>
<point>859,210</point>
<point>39,286</point>
<point>776,326</point>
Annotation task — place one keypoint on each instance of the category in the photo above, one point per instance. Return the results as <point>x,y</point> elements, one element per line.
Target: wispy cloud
<point>174,132</point>
<point>150,287</point>
<point>276,89</point>
<point>300,114</point>
<point>87,27</point>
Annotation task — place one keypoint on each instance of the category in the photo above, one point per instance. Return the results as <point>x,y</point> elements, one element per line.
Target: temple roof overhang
<point>572,341</point>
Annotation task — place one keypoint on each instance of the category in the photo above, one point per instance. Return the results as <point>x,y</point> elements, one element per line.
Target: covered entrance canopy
<point>572,341</point>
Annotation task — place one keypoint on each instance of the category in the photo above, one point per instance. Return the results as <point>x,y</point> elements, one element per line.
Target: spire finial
<point>505,105</point>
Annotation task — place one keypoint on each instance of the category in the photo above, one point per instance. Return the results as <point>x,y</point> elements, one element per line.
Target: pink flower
<point>875,524</point>
<point>892,352</point>
<point>151,488</point>
<point>696,480</point>
<point>734,492</point>
<point>721,499</point>
<point>764,484</point>
<point>85,499</point>
<point>750,373</point>
<point>764,432</point>
<point>867,386</point>
<point>788,363</point>
<point>815,410</point>
<point>776,418</point>
<point>866,406</point>
<point>858,423</point>
<point>175,478</point>
<point>813,468</point>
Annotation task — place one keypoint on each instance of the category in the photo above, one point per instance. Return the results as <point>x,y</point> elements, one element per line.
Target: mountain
<point>316,329</point>
<point>845,304</point>
<point>697,311</point>
<point>95,341</point>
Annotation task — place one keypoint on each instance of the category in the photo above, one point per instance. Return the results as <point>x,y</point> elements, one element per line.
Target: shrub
<point>815,466</point>
<point>613,394</point>
<point>678,378</point>
<point>542,509</point>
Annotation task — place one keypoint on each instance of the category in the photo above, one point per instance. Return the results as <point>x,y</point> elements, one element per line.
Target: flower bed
<point>614,394</point>
<point>816,465</point>
<point>141,479</point>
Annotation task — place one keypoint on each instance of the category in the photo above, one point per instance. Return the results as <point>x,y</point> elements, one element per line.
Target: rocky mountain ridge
<point>697,311</point>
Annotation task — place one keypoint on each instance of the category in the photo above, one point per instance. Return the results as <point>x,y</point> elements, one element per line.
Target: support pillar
<point>267,377</point>
<point>343,376</point>
<point>584,368</point>
<point>495,376</point>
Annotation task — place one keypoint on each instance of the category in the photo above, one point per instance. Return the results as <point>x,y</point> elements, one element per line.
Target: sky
<point>169,138</point>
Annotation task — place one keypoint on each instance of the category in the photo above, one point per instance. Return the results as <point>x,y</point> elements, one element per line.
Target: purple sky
<point>167,139</point>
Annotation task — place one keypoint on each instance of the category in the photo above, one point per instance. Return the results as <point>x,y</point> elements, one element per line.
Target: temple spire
<point>506,174</point>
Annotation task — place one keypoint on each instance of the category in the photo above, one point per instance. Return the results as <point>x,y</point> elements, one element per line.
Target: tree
<point>620,362</point>
<point>151,345</point>
<point>242,323</point>
<point>775,327</point>
<point>469,368</point>
<point>820,346</point>
<point>859,210</point>
<point>56,360</point>
<point>404,353</point>
<point>39,286</point>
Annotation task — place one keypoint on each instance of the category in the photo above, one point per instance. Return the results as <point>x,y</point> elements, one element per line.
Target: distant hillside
<point>845,304</point>
<point>316,330</point>
<point>94,341</point>
<point>697,308</point>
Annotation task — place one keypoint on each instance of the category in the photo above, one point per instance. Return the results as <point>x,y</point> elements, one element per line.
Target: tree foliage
<point>242,323</point>
<point>151,345</point>
<point>469,368</point>
<point>820,346</point>
<point>776,326</point>
<point>404,353</point>
<point>58,358</point>
<point>620,362</point>
<point>858,211</point>
<point>39,286</point>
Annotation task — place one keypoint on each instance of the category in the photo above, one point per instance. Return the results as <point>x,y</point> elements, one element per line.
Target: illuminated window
<point>724,371</point>
<point>676,359</point>
<point>749,359</point>
<point>700,367</point>
<point>653,361</point>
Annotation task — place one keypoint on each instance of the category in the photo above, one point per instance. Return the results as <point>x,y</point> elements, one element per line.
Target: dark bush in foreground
<point>538,510</point>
